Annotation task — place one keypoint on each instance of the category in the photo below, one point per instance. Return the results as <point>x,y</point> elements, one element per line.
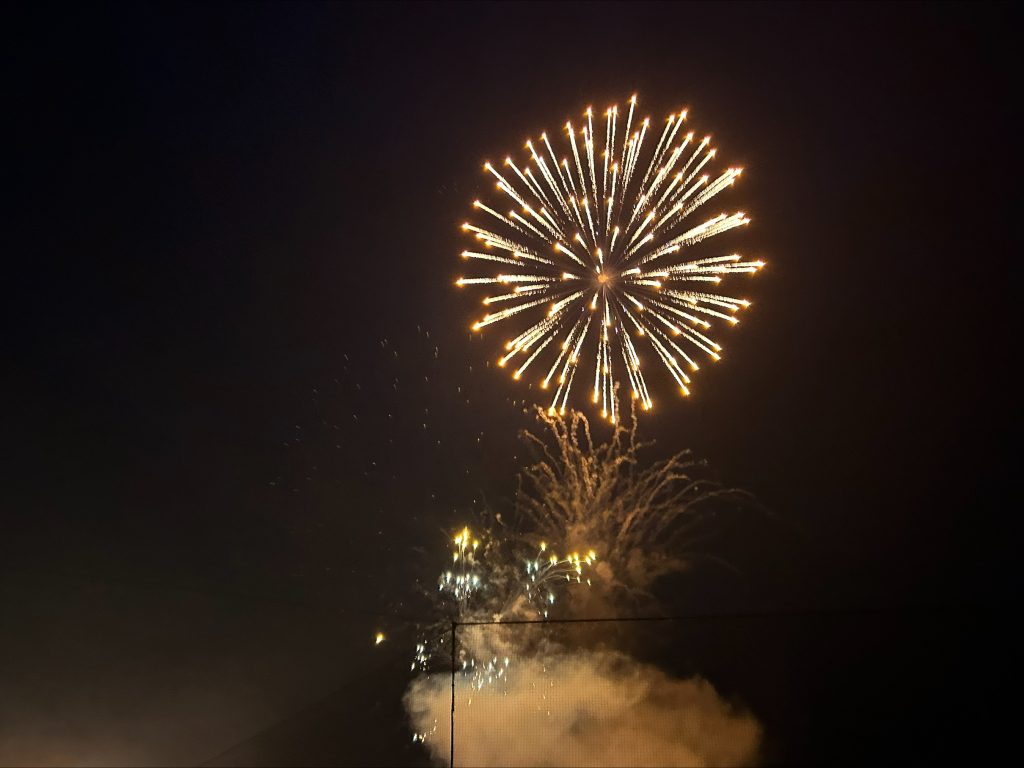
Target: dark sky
<point>234,227</point>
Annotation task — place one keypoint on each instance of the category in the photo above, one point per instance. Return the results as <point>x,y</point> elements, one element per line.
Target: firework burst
<point>595,254</point>
<point>649,520</point>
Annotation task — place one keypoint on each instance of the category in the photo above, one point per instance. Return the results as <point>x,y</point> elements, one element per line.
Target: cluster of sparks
<point>483,592</point>
<point>546,568</point>
<point>601,241</point>
<point>470,577</point>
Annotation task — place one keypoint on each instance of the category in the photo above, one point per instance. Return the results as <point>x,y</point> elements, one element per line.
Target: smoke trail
<point>582,708</point>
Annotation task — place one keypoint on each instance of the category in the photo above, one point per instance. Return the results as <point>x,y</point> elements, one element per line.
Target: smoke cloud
<point>581,708</point>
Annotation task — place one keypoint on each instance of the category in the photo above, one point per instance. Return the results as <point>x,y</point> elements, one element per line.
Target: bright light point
<point>465,226</point>
<point>378,638</point>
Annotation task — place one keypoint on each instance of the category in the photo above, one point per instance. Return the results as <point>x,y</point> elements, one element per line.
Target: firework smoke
<point>554,694</point>
<point>585,708</point>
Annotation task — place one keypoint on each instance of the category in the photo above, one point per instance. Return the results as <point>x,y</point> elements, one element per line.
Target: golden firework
<point>596,250</point>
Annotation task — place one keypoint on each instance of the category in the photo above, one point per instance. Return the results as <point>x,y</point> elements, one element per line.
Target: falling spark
<point>647,519</point>
<point>608,234</point>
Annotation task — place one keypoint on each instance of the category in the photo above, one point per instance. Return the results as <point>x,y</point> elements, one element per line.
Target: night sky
<point>244,406</point>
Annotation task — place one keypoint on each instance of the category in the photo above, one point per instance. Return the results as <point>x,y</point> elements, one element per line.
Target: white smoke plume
<point>581,708</point>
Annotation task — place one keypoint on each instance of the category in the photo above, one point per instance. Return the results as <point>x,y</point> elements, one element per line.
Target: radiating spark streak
<point>576,210</point>
<point>611,201</point>
<point>576,155</point>
<point>494,213</point>
<point>625,134</point>
<point>613,245</point>
<point>669,307</point>
<point>531,358</point>
<point>564,353</point>
<point>556,186</point>
<point>590,220</point>
<point>544,222</point>
<point>542,166</point>
<point>518,294</point>
<point>675,122</point>
<point>529,225</point>
<point>569,252</point>
<point>489,257</point>
<point>568,373</point>
<point>495,317</point>
<point>589,136</point>
<point>606,157</point>
<point>551,220</point>
<point>526,176</point>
